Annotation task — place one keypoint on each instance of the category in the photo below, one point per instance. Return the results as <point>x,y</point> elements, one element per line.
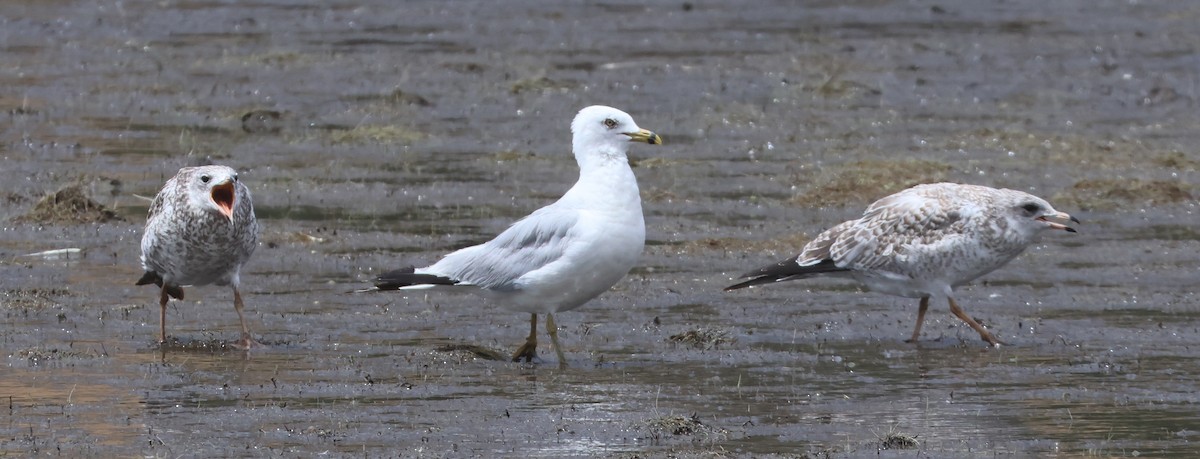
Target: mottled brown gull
<point>923,242</point>
<point>200,231</point>
<point>562,255</point>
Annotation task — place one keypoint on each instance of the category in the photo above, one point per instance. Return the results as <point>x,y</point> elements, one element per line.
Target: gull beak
<point>643,135</point>
<point>1059,216</point>
<point>224,197</point>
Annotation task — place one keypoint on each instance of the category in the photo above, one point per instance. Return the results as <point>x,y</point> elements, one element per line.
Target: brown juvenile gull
<point>200,231</point>
<point>562,255</point>
<point>924,241</point>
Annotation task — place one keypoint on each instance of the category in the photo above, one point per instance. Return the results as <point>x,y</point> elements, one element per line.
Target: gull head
<point>606,131</point>
<point>212,188</point>
<point>1030,214</point>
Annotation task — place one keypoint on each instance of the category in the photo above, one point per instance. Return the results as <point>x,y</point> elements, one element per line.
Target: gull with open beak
<point>200,231</point>
<point>923,242</point>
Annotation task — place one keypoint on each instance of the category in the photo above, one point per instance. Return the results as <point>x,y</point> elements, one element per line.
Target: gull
<point>200,231</point>
<point>923,242</point>
<point>562,255</point>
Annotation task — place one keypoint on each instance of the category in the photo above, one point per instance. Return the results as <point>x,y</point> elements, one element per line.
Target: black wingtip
<point>404,277</point>
<point>151,277</point>
<point>785,270</point>
<point>749,283</point>
<point>759,280</point>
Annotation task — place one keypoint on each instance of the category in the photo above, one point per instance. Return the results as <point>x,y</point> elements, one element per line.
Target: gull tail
<point>785,270</point>
<point>151,277</point>
<point>408,278</point>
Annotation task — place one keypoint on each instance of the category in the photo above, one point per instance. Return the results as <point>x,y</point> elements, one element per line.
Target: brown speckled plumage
<point>196,236</point>
<point>924,241</point>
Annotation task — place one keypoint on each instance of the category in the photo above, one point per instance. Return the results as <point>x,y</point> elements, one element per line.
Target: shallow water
<point>409,130</point>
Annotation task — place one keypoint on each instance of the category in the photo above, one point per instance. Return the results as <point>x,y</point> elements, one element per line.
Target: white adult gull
<point>201,230</point>
<point>923,242</point>
<point>562,255</point>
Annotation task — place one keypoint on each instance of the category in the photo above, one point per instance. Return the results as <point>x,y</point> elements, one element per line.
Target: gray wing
<point>244,214</point>
<point>155,207</point>
<point>169,190</point>
<point>528,245</point>
<point>913,222</point>
<point>158,227</point>
<point>818,249</point>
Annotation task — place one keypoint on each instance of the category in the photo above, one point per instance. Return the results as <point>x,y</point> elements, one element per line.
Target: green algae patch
<point>538,85</point>
<point>682,426</point>
<point>1109,194</point>
<point>69,205</point>
<point>703,338</point>
<point>381,134</point>
<point>462,353</point>
<point>508,155</point>
<point>1177,160</point>
<point>34,299</point>
<point>863,182</point>
<point>40,354</point>
<point>897,440</point>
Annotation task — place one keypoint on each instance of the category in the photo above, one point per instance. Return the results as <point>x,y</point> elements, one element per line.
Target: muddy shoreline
<point>379,135</point>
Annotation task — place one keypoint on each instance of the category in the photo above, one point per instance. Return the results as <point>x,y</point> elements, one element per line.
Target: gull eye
<point>235,177</point>
<point>1031,208</point>
<point>610,123</point>
<point>205,178</point>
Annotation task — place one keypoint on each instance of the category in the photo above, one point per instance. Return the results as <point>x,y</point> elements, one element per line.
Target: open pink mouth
<point>222,195</point>
<point>1060,226</point>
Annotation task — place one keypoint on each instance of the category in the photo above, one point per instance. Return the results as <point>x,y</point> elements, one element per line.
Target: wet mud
<point>378,135</point>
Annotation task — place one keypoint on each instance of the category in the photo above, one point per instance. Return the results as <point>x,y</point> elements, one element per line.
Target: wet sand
<point>378,136</point>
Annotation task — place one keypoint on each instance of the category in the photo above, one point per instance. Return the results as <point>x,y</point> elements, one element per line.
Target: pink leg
<point>920,319</point>
<point>162,315</point>
<point>247,341</point>
<point>983,333</point>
